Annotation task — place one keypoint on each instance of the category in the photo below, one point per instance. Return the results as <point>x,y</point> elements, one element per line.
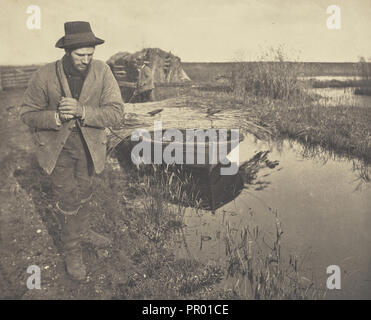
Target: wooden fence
<point>12,77</point>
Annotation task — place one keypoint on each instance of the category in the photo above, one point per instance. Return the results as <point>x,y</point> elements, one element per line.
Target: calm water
<point>323,205</point>
<point>336,96</point>
<point>341,96</point>
<point>329,78</point>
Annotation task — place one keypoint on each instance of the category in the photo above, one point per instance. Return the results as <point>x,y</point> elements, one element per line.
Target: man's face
<point>82,57</point>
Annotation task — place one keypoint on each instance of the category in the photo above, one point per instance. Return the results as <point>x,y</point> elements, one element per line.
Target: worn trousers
<point>72,183</point>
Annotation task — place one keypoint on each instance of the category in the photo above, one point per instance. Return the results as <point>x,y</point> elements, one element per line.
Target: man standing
<point>145,84</point>
<point>68,104</point>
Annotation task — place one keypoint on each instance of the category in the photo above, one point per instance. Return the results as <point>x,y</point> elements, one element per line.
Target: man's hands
<point>65,117</point>
<point>70,108</point>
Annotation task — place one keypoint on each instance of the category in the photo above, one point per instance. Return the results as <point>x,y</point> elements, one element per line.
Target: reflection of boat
<point>214,189</point>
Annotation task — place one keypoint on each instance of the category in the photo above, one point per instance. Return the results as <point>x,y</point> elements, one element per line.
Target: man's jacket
<point>145,79</point>
<point>103,104</point>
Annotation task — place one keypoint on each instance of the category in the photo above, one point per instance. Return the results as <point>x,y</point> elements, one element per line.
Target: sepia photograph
<point>210,150</point>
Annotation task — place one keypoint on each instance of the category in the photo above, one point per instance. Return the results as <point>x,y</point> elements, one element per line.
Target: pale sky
<point>195,30</point>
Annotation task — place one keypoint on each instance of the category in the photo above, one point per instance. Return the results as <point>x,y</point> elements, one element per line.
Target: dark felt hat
<point>78,34</point>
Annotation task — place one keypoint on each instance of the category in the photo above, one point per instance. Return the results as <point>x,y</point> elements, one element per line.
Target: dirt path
<point>22,233</point>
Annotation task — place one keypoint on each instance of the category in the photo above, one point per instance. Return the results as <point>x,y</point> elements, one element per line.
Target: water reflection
<point>329,78</point>
<point>317,154</point>
<point>215,190</point>
<point>332,97</point>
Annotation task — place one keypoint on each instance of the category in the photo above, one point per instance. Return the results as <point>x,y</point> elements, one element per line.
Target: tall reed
<point>273,76</point>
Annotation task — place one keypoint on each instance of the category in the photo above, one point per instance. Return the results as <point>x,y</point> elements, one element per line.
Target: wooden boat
<point>191,147</point>
<point>210,188</point>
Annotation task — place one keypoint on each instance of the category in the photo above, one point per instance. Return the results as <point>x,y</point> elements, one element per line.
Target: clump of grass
<point>271,77</point>
<point>261,271</point>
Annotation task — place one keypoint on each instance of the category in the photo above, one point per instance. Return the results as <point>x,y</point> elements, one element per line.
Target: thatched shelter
<point>166,67</point>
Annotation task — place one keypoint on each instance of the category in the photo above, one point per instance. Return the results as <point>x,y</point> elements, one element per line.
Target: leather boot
<point>72,247</point>
<point>74,264</point>
<point>96,239</point>
<point>87,235</point>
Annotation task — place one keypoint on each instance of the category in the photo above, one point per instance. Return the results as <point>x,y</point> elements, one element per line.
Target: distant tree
<point>363,69</point>
<point>364,72</point>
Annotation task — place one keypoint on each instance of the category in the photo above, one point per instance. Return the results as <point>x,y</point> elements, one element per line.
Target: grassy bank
<point>344,130</point>
<point>279,100</point>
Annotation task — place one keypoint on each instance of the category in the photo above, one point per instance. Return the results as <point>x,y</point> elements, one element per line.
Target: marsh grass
<point>273,93</point>
<point>343,129</point>
<point>260,270</point>
<point>271,77</point>
<point>166,191</point>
